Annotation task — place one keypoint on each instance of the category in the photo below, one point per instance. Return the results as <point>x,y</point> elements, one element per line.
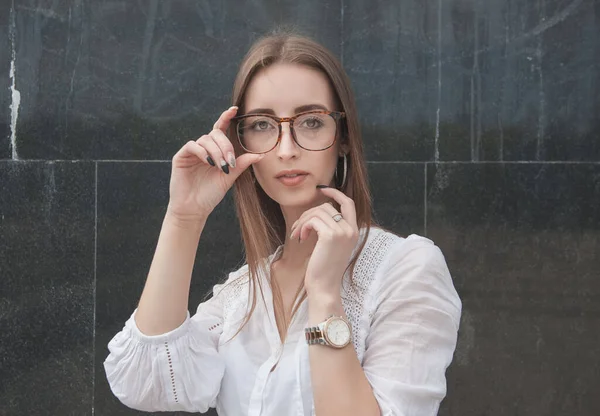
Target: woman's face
<point>285,90</point>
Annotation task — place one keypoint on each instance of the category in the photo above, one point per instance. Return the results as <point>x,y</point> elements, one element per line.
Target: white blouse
<point>404,314</point>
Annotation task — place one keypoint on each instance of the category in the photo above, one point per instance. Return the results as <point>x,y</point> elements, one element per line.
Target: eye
<point>260,125</point>
<point>312,122</point>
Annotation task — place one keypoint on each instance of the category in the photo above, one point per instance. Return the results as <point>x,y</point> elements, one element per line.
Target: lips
<point>291,176</point>
<point>292,180</point>
<point>291,173</point>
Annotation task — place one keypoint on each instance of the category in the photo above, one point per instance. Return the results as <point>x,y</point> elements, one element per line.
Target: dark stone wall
<point>481,127</point>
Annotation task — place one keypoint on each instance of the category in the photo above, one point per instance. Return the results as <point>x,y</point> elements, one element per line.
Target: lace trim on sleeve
<point>355,305</point>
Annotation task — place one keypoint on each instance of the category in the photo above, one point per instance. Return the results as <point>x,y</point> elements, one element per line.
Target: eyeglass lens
<point>312,131</point>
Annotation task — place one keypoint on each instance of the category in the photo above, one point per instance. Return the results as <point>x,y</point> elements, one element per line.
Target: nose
<point>287,147</point>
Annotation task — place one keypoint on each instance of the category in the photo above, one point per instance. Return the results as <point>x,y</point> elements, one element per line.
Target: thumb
<point>243,162</point>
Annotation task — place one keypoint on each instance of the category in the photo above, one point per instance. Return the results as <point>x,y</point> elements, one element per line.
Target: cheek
<point>323,167</point>
<point>332,161</point>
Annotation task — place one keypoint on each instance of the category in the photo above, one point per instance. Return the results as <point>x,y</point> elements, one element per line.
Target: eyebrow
<point>297,110</point>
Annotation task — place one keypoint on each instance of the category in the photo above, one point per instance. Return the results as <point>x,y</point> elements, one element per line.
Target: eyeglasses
<point>312,130</point>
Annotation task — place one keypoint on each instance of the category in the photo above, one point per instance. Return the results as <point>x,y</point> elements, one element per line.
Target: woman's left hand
<point>336,241</point>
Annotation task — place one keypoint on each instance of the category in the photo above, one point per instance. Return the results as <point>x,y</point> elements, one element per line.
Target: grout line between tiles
<point>436,151</point>
<point>94,287</point>
<point>425,200</point>
<point>490,162</point>
<point>406,162</point>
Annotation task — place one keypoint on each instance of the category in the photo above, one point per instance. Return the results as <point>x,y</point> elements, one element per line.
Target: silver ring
<point>337,217</point>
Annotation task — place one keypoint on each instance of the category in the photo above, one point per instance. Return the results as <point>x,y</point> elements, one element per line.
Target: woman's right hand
<point>197,186</point>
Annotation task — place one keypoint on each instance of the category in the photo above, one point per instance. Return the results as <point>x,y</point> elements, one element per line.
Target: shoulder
<point>234,281</point>
<point>397,250</point>
<point>378,243</point>
<point>404,259</point>
<point>415,267</point>
<point>416,249</point>
<point>385,248</point>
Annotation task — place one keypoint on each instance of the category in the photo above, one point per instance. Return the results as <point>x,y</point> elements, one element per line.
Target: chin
<point>305,195</point>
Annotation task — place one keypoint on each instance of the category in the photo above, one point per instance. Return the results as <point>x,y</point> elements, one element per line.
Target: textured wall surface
<point>481,126</point>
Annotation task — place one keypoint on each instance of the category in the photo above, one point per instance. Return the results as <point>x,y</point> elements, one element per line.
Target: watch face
<point>338,333</point>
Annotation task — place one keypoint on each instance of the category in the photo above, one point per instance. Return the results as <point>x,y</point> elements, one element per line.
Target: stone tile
<point>519,81</point>
<point>136,80</point>
<point>521,241</point>
<point>132,199</point>
<point>5,82</point>
<point>390,53</point>
<point>398,196</point>
<point>46,288</point>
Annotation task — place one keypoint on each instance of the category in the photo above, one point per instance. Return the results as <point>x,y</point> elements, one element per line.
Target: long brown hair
<point>261,220</point>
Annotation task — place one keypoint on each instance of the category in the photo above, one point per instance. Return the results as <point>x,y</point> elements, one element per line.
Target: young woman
<point>331,315</point>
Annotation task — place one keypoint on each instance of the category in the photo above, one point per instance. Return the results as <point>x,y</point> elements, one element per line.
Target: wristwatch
<point>335,331</point>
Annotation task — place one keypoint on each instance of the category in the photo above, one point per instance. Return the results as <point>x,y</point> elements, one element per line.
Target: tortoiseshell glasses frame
<point>336,115</point>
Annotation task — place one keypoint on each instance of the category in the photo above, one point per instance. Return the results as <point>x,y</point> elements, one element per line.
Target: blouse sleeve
<point>178,370</point>
<point>413,331</point>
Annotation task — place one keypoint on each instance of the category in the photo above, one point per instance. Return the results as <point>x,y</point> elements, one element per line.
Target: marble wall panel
<point>520,80</point>
<point>135,80</point>
<point>521,241</point>
<point>127,83</point>
<point>390,51</point>
<point>46,288</point>
<point>5,80</point>
<point>398,191</point>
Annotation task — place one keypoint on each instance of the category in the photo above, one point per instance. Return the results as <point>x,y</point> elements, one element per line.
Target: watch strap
<point>314,334</point>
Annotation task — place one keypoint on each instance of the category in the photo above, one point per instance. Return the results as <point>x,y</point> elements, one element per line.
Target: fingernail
<point>224,166</point>
<point>231,158</point>
<point>233,107</point>
<point>209,160</point>
<point>322,186</point>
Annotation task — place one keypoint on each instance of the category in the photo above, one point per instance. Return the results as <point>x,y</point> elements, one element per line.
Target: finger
<point>326,215</point>
<point>329,212</point>
<point>346,204</point>
<point>214,151</point>
<point>329,209</point>
<point>303,217</point>
<point>337,227</point>
<point>309,213</point>
<point>243,162</point>
<point>317,224</point>
<point>225,145</point>
<point>192,148</point>
<point>225,119</point>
